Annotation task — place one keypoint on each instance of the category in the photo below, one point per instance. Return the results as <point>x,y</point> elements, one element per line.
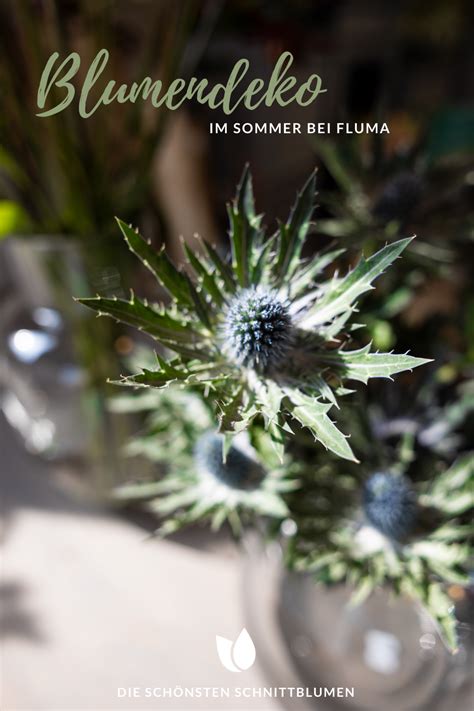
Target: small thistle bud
<point>399,197</point>
<point>239,471</point>
<point>257,328</point>
<point>390,505</point>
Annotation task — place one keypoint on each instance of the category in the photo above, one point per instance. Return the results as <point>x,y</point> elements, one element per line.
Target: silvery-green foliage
<point>263,333</point>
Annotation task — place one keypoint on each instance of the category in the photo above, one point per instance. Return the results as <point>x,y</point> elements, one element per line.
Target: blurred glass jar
<point>55,357</point>
<point>387,649</point>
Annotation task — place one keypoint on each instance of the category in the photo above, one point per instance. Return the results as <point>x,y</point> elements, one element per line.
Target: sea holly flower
<point>418,540</point>
<point>390,505</point>
<point>258,329</point>
<point>238,471</point>
<point>399,197</point>
<point>194,481</point>
<point>264,333</point>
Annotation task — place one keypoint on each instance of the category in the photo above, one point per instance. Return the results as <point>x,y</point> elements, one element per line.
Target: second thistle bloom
<point>257,328</point>
<point>399,197</point>
<point>239,471</point>
<point>390,505</point>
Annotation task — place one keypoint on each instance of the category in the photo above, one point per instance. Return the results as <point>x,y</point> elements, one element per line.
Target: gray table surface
<point>89,605</point>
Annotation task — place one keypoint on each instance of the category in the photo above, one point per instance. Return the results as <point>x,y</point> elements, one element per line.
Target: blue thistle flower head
<point>258,328</point>
<point>239,471</point>
<point>399,197</point>
<point>390,505</point>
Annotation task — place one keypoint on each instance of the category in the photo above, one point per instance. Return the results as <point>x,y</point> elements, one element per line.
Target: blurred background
<point>89,603</point>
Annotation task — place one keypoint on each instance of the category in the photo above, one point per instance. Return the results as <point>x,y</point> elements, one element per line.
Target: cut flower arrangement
<point>255,352</point>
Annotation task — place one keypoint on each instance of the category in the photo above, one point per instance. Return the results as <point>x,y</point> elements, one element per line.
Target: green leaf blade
<point>223,269</point>
<point>311,413</point>
<point>244,228</point>
<point>293,233</point>
<point>205,276</point>
<point>307,274</point>
<point>159,265</point>
<point>176,335</point>
<point>361,365</point>
<point>357,282</point>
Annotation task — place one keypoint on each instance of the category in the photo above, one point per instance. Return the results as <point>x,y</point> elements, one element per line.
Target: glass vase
<point>387,649</point>
<point>56,357</point>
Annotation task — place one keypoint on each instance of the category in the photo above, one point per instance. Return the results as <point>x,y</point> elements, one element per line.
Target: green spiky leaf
<point>344,292</point>
<point>312,413</point>
<point>362,364</point>
<point>244,228</point>
<point>177,335</point>
<point>460,474</point>
<point>230,412</point>
<point>159,264</point>
<point>205,277</point>
<point>306,275</point>
<point>224,270</point>
<point>292,234</point>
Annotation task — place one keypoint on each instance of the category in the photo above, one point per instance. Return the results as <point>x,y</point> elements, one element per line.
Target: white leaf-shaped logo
<point>244,650</point>
<point>239,656</point>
